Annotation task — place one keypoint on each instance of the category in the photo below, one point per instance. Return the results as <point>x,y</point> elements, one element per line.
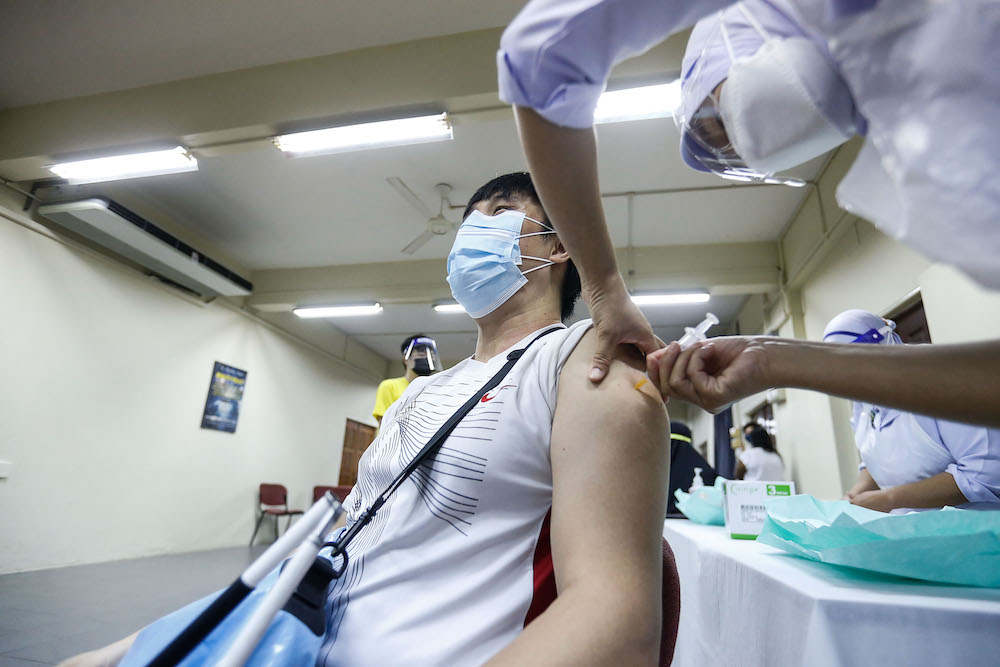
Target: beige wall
<point>105,374</point>
<point>857,267</point>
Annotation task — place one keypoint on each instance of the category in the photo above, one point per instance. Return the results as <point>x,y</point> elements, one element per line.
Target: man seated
<point>545,462</point>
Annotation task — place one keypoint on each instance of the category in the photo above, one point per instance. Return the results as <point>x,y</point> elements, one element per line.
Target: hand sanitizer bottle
<point>697,482</point>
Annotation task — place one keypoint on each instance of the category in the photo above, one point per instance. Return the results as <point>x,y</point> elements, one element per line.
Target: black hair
<point>519,185</point>
<point>759,437</point>
<point>680,428</point>
<point>749,425</point>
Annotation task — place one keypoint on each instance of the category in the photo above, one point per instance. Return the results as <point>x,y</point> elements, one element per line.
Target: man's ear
<point>558,253</point>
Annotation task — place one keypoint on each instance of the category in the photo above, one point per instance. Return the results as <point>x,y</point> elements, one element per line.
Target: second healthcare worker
<point>921,76</point>
<point>909,461</point>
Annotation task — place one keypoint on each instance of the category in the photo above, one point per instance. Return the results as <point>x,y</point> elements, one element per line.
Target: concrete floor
<point>49,615</point>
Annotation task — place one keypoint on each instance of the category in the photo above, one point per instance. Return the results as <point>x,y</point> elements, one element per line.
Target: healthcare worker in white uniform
<point>919,77</point>
<point>911,461</point>
<point>759,461</point>
<point>788,80</point>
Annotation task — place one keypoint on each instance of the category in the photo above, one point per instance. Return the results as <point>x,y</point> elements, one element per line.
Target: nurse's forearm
<point>563,165</point>
<point>936,491</point>
<point>958,382</point>
<point>864,483</point>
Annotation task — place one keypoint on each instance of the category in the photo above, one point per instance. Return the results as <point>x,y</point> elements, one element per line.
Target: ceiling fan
<point>437,225</point>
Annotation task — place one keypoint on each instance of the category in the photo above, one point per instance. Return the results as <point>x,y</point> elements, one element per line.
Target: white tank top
<point>443,575</point>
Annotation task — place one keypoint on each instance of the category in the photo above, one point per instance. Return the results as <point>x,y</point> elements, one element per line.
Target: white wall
<point>958,310</point>
<point>105,375</point>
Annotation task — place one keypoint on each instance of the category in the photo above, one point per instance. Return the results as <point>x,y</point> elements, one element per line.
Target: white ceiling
<point>57,49</point>
<point>266,211</point>
<point>269,211</point>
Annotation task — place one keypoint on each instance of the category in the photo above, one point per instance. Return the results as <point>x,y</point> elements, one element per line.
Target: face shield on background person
<point>860,326</point>
<point>423,352</point>
<point>759,96</point>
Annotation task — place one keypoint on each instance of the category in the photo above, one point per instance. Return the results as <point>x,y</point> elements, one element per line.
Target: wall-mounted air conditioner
<point>125,233</point>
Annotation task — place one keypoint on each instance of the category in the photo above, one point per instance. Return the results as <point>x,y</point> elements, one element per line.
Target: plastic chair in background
<point>273,501</point>
<point>339,492</point>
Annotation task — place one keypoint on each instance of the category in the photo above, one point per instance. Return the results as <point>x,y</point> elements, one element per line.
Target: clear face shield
<point>751,104</point>
<point>705,143</point>
<point>423,352</point>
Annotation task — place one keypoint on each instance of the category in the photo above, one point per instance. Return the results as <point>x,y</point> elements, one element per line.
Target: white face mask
<point>770,116</point>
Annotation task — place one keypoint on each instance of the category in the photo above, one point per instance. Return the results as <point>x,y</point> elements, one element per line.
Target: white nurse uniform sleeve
<point>556,55</point>
<point>976,451</point>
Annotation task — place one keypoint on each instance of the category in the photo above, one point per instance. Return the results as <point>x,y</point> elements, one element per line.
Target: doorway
<point>357,438</point>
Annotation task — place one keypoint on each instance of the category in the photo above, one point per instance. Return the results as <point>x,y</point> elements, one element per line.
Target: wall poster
<point>222,407</point>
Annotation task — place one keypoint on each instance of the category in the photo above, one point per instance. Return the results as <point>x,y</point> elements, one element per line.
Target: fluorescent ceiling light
<point>338,311</point>
<point>418,130</point>
<point>657,101</point>
<point>135,165</point>
<point>448,308</point>
<point>669,299</point>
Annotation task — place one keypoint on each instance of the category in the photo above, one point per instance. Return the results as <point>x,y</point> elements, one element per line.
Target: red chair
<point>273,501</point>
<point>339,492</point>
<point>545,593</point>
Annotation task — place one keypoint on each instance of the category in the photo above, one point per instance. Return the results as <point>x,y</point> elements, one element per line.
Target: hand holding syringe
<point>690,337</point>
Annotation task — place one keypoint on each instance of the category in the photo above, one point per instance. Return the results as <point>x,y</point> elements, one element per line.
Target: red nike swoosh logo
<point>496,392</point>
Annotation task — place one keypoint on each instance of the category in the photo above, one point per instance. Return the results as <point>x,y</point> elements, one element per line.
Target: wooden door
<point>357,437</point>
<point>911,323</point>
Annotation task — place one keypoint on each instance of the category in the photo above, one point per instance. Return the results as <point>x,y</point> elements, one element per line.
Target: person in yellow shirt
<point>420,357</point>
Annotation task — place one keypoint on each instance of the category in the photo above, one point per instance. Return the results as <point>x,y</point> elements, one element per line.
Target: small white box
<point>743,503</point>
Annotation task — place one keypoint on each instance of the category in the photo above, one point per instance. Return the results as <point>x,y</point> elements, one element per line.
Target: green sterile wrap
<point>703,505</point>
<point>949,546</point>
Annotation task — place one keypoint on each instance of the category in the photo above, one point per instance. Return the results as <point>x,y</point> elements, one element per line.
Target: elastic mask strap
<point>537,259</point>
<point>548,262</point>
<point>725,40</point>
<point>755,24</point>
<point>524,236</point>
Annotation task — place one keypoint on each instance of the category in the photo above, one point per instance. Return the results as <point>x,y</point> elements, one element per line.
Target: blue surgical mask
<point>483,265</point>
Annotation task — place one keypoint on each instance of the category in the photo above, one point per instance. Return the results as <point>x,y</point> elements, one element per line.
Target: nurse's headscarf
<point>860,326</point>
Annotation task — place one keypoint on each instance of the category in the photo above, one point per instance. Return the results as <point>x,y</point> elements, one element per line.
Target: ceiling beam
<point>243,108</point>
<point>722,269</point>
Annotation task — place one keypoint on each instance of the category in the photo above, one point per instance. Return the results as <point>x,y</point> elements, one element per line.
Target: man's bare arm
<point>610,458</point>
<point>109,656</point>
<point>572,199</point>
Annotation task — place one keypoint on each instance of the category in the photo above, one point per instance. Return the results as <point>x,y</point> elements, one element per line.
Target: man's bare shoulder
<point>625,386</point>
<point>628,363</point>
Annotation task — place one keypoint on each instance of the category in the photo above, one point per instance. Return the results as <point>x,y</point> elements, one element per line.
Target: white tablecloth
<point>744,603</point>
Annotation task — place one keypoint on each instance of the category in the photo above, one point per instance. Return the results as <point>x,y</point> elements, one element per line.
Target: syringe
<point>691,336</point>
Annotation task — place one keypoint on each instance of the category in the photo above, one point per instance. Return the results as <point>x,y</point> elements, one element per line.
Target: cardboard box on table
<point>743,503</point>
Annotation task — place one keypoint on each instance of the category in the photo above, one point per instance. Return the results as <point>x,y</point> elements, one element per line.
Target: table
<point>744,603</point>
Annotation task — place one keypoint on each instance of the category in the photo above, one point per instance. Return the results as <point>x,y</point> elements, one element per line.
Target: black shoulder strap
<point>433,444</point>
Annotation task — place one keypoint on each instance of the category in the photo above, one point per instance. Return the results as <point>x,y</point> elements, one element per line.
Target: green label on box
<point>778,490</point>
